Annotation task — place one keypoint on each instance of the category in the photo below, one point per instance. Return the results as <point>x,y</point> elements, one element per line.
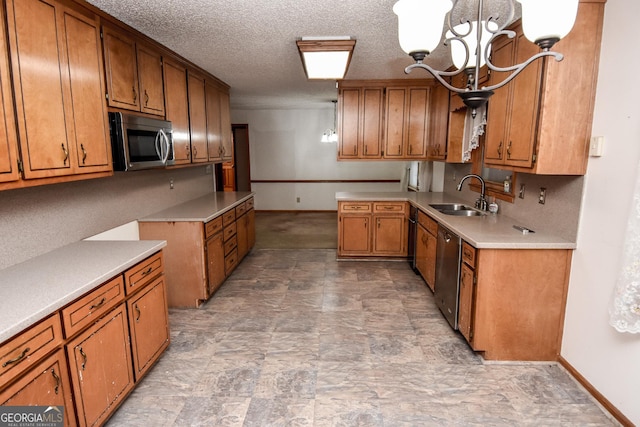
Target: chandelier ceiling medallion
<point>420,24</point>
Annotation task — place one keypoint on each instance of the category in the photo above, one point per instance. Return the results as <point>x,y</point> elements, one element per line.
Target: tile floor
<point>295,338</point>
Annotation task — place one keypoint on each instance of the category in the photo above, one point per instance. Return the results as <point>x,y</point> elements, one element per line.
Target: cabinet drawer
<point>230,231</point>
<point>230,261</point>
<point>141,273</point>
<point>228,217</point>
<point>230,244</point>
<point>22,351</point>
<point>469,254</point>
<point>92,306</point>
<point>240,210</point>
<point>428,223</point>
<point>355,207</point>
<point>212,227</point>
<point>249,204</point>
<point>389,207</point>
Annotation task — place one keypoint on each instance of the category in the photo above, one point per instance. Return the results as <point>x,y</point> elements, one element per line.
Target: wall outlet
<point>596,146</point>
<point>521,192</point>
<point>297,199</point>
<point>171,184</point>
<point>543,195</point>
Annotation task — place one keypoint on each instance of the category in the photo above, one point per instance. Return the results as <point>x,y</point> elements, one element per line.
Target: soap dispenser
<point>507,184</point>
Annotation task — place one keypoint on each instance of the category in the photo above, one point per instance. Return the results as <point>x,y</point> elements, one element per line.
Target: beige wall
<point>39,219</point>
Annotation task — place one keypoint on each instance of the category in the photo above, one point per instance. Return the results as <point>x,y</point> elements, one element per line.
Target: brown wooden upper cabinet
<point>534,124</point>
<point>407,122</point>
<point>175,89</point>
<point>438,123</point>
<point>360,122</point>
<point>219,139</point>
<point>60,110</point>
<point>134,73</point>
<point>9,170</point>
<point>197,117</point>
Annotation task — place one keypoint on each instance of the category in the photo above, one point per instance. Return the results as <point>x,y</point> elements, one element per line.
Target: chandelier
<point>420,23</point>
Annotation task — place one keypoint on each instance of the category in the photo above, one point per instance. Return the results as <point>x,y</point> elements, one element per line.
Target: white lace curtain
<point>625,307</point>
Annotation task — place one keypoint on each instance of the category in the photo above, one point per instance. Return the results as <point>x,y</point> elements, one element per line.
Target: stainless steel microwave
<point>140,142</point>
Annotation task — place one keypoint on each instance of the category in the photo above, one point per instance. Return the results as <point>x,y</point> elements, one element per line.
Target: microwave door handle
<point>167,146</point>
<point>158,147</point>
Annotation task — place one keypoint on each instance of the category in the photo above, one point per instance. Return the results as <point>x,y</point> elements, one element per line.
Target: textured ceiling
<point>250,44</point>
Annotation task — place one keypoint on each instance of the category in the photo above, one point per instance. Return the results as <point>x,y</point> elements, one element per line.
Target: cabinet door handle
<point>57,379</point>
<point>500,150</point>
<point>98,304</point>
<point>355,149</point>
<point>509,150</point>
<point>135,95</point>
<point>84,357</point>
<point>146,98</point>
<point>137,312</point>
<point>66,154</point>
<point>16,359</point>
<point>84,153</point>
<point>195,152</point>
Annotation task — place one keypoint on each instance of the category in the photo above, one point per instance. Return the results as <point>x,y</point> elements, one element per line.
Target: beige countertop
<point>202,209</point>
<point>493,231</point>
<point>36,288</point>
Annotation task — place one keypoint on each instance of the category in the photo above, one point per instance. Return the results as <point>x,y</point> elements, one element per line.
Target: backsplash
<point>559,215</point>
<point>39,219</point>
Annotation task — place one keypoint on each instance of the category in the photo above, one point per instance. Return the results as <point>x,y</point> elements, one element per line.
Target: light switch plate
<point>596,146</point>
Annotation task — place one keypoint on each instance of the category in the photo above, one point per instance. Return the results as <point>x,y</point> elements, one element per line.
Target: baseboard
<point>295,211</point>
<point>606,404</point>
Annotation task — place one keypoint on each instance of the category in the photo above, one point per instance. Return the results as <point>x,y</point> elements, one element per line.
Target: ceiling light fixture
<point>326,58</point>
<point>330,135</point>
<point>544,23</point>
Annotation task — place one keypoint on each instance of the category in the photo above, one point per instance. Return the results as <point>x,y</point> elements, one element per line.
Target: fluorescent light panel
<point>326,59</point>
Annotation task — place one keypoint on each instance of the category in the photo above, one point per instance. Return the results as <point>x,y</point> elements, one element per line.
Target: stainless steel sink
<point>451,207</point>
<point>462,212</point>
<point>457,209</point>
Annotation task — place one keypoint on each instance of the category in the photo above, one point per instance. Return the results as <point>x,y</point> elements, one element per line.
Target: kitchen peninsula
<point>206,239</point>
<point>512,286</point>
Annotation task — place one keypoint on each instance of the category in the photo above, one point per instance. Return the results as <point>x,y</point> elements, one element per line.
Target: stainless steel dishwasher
<point>447,274</point>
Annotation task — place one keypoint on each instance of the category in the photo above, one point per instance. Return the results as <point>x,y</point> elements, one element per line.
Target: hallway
<point>296,338</point>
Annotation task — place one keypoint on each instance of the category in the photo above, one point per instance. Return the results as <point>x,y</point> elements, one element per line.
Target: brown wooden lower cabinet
<point>101,369</point>
<point>426,243</point>
<point>88,355</point>
<point>200,256</point>
<point>512,301</point>
<point>372,229</point>
<point>46,384</point>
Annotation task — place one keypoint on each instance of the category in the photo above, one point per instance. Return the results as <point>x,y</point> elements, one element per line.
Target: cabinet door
<point>353,235</point>
<point>177,109</point>
<point>417,123</point>
<point>465,313</point>
<point>8,137</point>
<point>242,236</point>
<point>197,119</point>
<point>214,248</point>
<point>214,138</point>
<point>349,127</point>
<point>46,384</point>
<point>89,117</point>
<point>372,113</point>
<point>395,122</point>
<point>438,123</point>
<point>524,107</point>
<point>251,228</point>
<point>150,79</point>
<point>389,235</point>
<point>121,69</point>
<point>149,323</point>
<point>39,80</point>
<point>100,363</point>
<point>426,256</point>
<point>495,142</point>
<point>226,136</point>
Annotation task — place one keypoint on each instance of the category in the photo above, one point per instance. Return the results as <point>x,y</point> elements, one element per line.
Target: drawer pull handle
<point>84,357</point>
<point>99,304</point>
<point>147,271</point>
<point>467,254</point>
<point>57,378</point>
<point>137,312</point>
<point>17,359</point>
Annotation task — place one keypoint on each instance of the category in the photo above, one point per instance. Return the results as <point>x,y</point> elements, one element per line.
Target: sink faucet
<point>481,203</point>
